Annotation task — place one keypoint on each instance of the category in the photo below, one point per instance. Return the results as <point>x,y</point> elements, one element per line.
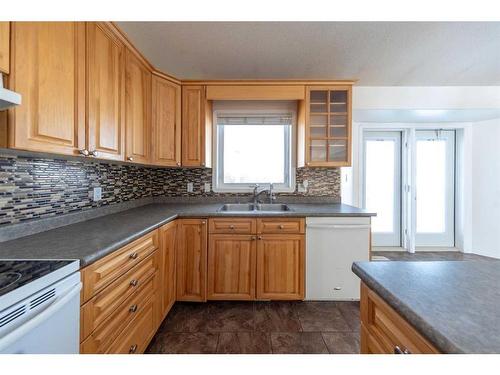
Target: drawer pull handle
<point>132,349</point>
<point>133,255</point>
<point>337,288</point>
<point>398,350</point>
<point>231,227</point>
<point>134,282</point>
<point>133,309</point>
<point>282,226</point>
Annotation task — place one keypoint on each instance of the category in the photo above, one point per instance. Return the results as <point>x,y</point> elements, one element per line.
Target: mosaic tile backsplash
<point>32,187</point>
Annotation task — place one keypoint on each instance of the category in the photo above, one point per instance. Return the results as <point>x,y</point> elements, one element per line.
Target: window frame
<point>219,186</point>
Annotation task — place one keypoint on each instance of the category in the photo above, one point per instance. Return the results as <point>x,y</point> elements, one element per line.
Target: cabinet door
<point>138,110</point>
<point>4,47</point>
<point>105,93</point>
<point>191,260</point>
<point>167,267</point>
<point>193,126</point>
<point>328,119</point>
<point>231,267</point>
<point>280,267</point>
<point>48,70</point>
<point>166,122</point>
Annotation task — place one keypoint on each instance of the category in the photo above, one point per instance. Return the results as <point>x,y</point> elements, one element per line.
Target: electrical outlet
<point>207,187</point>
<point>189,187</point>
<point>97,194</point>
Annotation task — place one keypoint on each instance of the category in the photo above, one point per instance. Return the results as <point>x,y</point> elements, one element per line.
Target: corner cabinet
<point>48,70</point>
<point>166,122</point>
<point>105,93</point>
<point>138,110</point>
<point>328,126</point>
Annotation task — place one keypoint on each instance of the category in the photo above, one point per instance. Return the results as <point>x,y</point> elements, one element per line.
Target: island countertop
<point>453,304</point>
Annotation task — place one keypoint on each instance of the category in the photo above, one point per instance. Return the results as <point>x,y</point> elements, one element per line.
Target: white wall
<point>485,218</point>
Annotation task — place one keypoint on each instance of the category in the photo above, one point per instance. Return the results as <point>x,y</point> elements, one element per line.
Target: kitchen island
<point>430,307</point>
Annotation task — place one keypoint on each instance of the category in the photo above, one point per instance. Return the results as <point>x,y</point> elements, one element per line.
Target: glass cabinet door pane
<point>318,150</point>
<point>319,125</point>
<point>338,120</point>
<point>337,150</point>
<point>338,101</point>
<point>337,131</point>
<point>318,96</point>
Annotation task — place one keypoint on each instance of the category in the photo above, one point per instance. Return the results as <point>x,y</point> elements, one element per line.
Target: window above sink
<point>254,145</point>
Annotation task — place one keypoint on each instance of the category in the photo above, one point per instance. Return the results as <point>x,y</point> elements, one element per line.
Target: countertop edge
<point>441,343</point>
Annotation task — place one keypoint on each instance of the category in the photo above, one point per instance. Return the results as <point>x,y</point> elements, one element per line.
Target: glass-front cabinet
<point>328,126</point>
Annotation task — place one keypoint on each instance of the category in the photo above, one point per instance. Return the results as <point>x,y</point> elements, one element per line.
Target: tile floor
<point>259,328</point>
<point>272,327</point>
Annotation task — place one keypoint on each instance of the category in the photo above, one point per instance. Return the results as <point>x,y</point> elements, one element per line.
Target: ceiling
<point>374,53</point>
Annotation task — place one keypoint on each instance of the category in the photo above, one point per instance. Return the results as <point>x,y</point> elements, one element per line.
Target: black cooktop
<point>16,273</point>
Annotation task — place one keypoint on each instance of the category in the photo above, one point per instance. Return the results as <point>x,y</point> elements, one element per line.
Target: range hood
<point>8,98</point>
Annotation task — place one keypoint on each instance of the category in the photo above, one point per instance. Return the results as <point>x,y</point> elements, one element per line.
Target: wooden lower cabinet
<point>168,237</point>
<point>231,267</point>
<point>384,331</point>
<point>280,267</point>
<point>191,260</point>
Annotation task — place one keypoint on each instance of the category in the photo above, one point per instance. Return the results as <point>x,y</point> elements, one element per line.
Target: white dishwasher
<point>332,245</point>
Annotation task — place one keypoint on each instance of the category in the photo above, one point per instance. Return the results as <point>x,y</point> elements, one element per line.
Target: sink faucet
<point>256,193</point>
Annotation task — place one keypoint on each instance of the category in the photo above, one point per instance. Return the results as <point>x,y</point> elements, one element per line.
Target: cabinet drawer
<point>385,331</point>
<point>285,225</point>
<point>101,306</point>
<point>135,338</point>
<point>104,335</point>
<point>232,225</point>
<point>101,273</point>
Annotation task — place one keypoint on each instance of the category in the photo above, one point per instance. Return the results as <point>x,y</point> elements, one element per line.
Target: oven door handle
<point>19,332</point>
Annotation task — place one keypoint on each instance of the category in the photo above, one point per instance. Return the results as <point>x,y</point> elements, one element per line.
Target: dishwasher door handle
<point>339,226</point>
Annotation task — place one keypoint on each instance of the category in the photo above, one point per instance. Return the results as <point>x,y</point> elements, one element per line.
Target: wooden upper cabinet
<point>231,266</point>
<point>327,126</point>
<point>191,260</point>
<point>5,47</point>
<point>105,93</point>
<point>193,126</point>
<point>138,110</point>
<point>48,70</point>
<point>166,122</point>
<point>280,266</point>
<point>168,238</point>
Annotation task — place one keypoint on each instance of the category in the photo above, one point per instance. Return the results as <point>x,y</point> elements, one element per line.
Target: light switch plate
<point>97,194</point>
<point>207,187</point>
<point>189,187</point>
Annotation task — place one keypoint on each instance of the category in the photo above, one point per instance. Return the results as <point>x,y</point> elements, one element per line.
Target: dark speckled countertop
<point>455,305</point>
<point>90,240</point>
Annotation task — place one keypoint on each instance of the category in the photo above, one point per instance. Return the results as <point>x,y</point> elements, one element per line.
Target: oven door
<point>51,328</point>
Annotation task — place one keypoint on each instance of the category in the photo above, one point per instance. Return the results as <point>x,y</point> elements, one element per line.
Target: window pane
<point>431,186</point>
<point>254,154</point>
<point>379,182</point>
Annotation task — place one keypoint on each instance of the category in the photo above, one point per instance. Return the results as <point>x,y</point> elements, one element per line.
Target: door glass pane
<point>380,182</point>
<point>431,186</point>
<point>337,150</point>
<point>318,150</point>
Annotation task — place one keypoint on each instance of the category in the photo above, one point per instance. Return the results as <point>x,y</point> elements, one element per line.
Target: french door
<point>435,188</point>
<point>382,185</point>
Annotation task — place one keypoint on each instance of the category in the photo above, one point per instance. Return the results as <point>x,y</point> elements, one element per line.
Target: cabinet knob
<point>134,282</point>
<point>231,227</point>
<point>203,222</point>
<point>178,163</point>
<point>398,350</point>
<point>132,349</point>
<point>133,309</point>
<point>254,238</point>
<point>281,226</point>
<point>130,158</point>
<point>133,255</point>
<point>259,238</point>
<point>84,152</point>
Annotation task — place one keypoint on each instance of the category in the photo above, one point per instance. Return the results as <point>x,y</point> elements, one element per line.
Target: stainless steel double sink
<point>249,207</point>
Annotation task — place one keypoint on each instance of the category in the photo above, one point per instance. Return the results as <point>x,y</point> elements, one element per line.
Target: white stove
<point>39,306</point>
